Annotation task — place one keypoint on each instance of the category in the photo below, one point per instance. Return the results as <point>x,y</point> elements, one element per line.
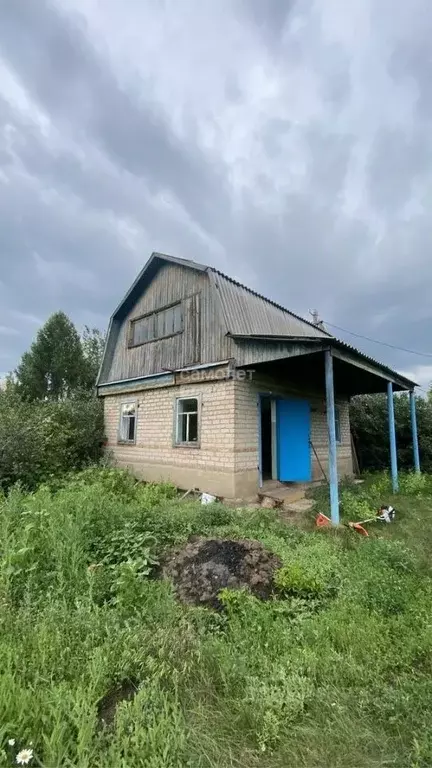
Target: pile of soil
<point>203,567</point>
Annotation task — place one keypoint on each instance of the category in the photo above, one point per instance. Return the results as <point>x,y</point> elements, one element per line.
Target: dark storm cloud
<point>397,159</point>
<point>269,17</point>
<point>55,60</point>
<point>302,164</point>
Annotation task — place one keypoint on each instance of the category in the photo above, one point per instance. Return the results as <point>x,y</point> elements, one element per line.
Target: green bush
<point>43,440</point>
<point>369,424</point>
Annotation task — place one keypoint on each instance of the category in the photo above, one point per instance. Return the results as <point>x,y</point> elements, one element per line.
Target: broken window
<point>127,427</point>
<point>187,420</point>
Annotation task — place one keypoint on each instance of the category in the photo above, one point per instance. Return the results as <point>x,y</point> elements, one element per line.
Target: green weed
<point>334,670</point>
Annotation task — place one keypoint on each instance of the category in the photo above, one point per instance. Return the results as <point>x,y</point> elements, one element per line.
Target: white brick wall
<point>154,456</point>
<point>226,463</point>
<point>246,432</point>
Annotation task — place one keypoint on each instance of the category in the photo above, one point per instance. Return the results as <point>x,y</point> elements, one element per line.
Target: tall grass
<point>334,672</point>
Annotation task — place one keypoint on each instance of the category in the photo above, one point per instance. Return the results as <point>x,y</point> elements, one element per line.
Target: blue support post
<point>414,432</point>
<point>331,426</point>
<point>392,434</point>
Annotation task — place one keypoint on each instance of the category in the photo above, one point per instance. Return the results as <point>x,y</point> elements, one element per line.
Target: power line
<point>382,343</point>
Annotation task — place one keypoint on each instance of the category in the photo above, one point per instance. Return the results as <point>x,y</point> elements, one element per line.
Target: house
<point>208,384</point>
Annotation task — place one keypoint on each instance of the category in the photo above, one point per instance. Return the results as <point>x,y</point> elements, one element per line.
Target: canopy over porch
<point>338,369</point>
<point>354,372</point>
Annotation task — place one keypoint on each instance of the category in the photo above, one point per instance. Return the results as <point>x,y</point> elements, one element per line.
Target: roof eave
<point>381,370</point>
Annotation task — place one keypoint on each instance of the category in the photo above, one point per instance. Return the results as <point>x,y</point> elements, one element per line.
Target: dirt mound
<point>203,567</point>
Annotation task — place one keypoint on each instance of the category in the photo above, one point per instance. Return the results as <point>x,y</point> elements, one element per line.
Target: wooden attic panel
<point>192,331</point>
<point>171,283</point>
<point>203,338</point>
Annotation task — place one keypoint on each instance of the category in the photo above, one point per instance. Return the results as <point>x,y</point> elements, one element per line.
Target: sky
<point>288,144</point>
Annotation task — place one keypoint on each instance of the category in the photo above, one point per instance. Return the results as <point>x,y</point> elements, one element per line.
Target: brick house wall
<point>226,461</point>
<point>154,457</point>
<point>246,433</point>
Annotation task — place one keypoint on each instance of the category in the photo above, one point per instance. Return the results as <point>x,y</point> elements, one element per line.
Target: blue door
<point>293,435</point>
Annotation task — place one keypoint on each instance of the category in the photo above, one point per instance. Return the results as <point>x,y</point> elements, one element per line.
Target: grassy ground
<point>334,672</point>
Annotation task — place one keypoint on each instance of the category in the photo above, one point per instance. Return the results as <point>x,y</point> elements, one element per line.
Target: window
<point>338,424</point>
<point>186,421</point>
<point>127,427</point>
<point>157,325</point>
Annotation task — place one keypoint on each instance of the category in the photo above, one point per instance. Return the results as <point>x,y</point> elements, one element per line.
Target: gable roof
<point>245,313</point>
<point>146,276</point>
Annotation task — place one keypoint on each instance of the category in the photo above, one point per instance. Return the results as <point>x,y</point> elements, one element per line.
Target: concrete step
<point>281,495</point>
<point>302,505</point>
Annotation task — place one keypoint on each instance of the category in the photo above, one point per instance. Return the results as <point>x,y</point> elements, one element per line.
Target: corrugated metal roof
<point>332,342</point>
<point>247,312</point>
<point>247,309</point>
<point>354,350</point>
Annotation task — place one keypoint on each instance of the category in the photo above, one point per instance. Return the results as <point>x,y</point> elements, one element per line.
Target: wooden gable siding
<point>202,340</point>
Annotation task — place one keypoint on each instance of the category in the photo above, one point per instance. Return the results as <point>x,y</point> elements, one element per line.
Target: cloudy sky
<point>287,143</point>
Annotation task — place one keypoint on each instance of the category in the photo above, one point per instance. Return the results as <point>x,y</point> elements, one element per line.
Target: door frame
<point>274,447</point>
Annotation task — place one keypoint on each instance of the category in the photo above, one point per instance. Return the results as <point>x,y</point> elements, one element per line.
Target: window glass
<point>169,320</point>
<point>127,429</point>
<point>187,420</point>
<point>157,326</point>
<point>177,323</point>
<point>142,330</point>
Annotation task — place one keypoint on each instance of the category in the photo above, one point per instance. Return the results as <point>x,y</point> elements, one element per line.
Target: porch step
<point>278,494</point>
<point>302,505</point>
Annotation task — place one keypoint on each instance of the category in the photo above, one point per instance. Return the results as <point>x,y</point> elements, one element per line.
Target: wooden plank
<point>203,339</point>
<point>375,370</point>
<point>197,349</point>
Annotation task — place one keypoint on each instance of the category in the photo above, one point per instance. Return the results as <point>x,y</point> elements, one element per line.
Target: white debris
<point>207,498</point>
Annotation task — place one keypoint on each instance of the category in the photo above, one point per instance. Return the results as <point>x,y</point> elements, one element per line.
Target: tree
<point>55,365</point>
<point>93,343</point>
<point>369,424</point>
<point>44,439</point>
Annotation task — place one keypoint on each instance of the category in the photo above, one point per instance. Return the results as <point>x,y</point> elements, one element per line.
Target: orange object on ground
<point>359,528</point>
<point>322,520</point>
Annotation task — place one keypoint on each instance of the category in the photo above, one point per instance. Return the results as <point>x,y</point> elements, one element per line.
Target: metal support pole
<point>392,434</point>
<point>331,426</point>
<point>414,431</point>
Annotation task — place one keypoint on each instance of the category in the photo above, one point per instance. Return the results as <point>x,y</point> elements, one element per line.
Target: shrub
<point>369,423</point>
<point>43,440</point>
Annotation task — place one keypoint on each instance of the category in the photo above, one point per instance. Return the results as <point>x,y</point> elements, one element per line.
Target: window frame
<point>120,439</point>
<point>182,444</point>
<point>153,314</point>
